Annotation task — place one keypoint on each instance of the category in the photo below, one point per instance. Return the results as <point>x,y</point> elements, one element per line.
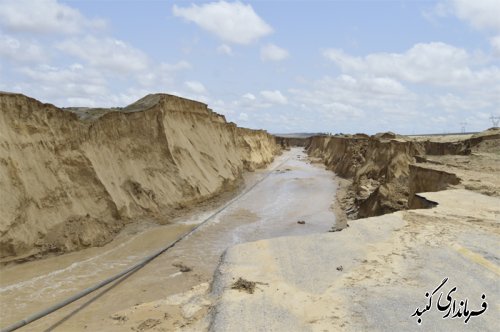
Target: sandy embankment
<point>383,173</point>
<point>163,293</point>
<point>72,178</point>
<point>374,274</point>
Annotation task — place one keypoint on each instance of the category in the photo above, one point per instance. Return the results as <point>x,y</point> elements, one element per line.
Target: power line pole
<point>463,124</point>
<point>495,120</point>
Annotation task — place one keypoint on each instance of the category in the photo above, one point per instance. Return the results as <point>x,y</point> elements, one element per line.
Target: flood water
<point>294,190</point>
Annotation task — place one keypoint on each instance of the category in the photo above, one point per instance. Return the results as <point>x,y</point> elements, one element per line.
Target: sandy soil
<point>69,183</point>
<point>370,276</point>
<point>441,138</point>
<point>76,179</point>
<point>478,172</point>
<point>162,296</point>
<point>375,273</point>
<point>386,170</point>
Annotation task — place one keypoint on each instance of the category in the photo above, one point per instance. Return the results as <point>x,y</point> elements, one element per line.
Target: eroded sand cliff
<point>72,178</point>
<point>388,170</point>
<point>373,275</point>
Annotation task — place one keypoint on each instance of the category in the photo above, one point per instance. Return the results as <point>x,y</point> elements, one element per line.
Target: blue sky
<point>284,66</point>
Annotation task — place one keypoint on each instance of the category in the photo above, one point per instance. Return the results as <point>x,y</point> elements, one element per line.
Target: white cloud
<point>482,14</point>
<point>196,87</point>
<point>495,44</point>
<point>74,85</point>
<point>74,81</point>
<point>248,96</point>
<point>73,64</point>
<point>434,81</point>
<point>344,102</point>
<point>232,22</point>
<point>345,92</point>
<point>160,76</point>
<point>44,16</point>
<point>385,85</point>
<point>51,74</point>
<point>335,109</point>
<point>452,103</point>
<point>271,52</point>
<point>224,49</point>
<point>220,106</point>
<point>181,65</point>
<point>21,51</point>
<point>275,96</point>
<point>430,63</point>
<point>344,60</point>
<point>243,116</point>
<point>106,53</point>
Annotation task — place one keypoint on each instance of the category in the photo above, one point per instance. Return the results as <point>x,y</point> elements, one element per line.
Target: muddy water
<point>296,190</point>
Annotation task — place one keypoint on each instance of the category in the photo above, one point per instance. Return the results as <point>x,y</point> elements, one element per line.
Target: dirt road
<point>374,275</point>
<point>171,292</point>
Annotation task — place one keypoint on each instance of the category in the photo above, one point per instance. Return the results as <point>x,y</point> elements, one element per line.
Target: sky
<point>336,66</point>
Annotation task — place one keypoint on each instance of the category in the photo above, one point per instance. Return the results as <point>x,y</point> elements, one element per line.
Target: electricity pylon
<point>495,120</point>
<point>463,124</point>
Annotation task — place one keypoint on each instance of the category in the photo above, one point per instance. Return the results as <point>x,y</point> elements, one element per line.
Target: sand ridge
<point>70,182</point>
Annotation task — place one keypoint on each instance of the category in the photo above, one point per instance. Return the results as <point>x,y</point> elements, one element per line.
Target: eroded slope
<point>387,171</point>
<point>74,178</point>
